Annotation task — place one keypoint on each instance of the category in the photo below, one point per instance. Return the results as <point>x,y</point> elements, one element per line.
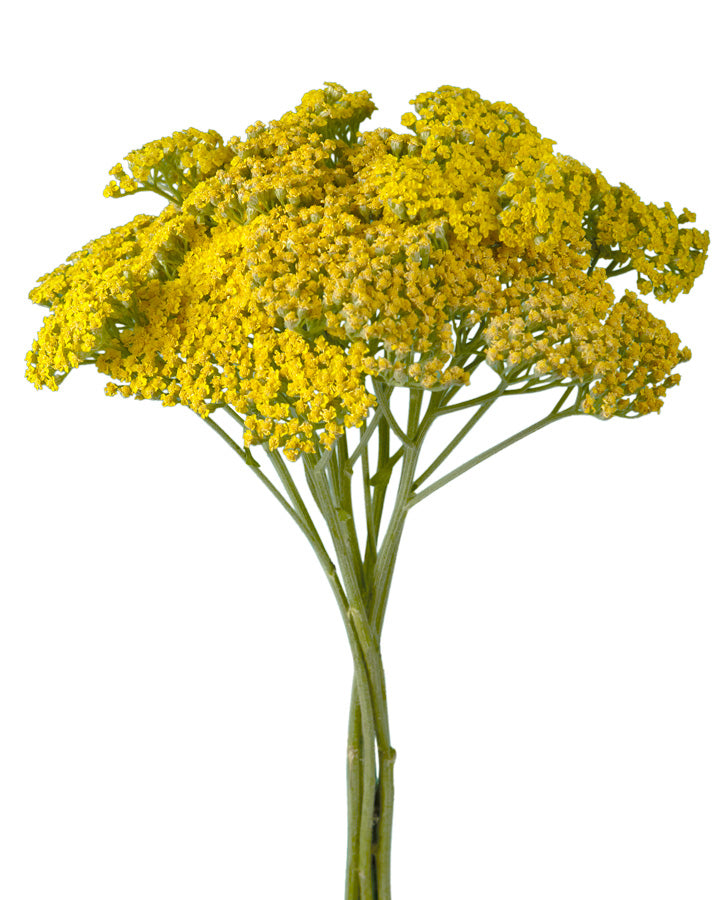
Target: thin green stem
<point>361,585</point>
<point>457,439</point>
<point>387,412</point>
<point>467,351</point>
<point>431,413</point>
<point>354,774</point>
<point>366,653</point>
<point>292,490</point>
<point>533,386</point>
<point>256,469</point>
<point>564,397</point>
<point>334,480</point>
<point>384,473</point>
<point>366,433</point>
<point>351,577</point>
<point>369,646</point>
<point>416,498</point>
<point>360,859</point>
<point>383,575</point>
<point>454,389</point>
<point>324,459</point>
<point>614,273</point>
<point>346,506</point>
<point>371,539</point>
<point>388,550</point>
<point>154,190</point>
<point>369,790</point>
<point>383,465</point>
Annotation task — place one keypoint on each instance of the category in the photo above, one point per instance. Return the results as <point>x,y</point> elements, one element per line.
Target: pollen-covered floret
<point>293,266</point>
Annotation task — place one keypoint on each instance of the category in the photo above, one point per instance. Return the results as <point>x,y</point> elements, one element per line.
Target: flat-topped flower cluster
<point>292,267</point>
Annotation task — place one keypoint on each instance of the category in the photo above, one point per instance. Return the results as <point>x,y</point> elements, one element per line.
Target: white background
<point>174,672</point>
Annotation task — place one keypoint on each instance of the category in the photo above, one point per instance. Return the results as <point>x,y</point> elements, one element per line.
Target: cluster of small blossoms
<point>171,166</point>
<point>291,266</point>
<point>647,239</point>
<point>641,353</point>
<point>96,296</point>
<point>91,298</point>
<point>557,319</point>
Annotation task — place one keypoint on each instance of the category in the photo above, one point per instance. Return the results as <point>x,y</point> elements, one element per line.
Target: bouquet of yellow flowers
<point>303,281</point>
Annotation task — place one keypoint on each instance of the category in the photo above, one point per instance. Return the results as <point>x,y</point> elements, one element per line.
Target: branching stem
<point>361,584</point>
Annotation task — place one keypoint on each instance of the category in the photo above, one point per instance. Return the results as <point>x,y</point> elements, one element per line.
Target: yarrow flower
<point>300,276</point>
<point>291,265</point>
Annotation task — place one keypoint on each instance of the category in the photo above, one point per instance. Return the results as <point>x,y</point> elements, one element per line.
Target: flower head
<point>290,266</point>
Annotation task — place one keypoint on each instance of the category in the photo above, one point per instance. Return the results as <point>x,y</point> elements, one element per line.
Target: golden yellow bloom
<point>291,266</point>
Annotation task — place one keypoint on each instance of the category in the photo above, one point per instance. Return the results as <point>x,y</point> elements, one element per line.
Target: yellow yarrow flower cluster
<point>292,266</point>
<point>171,166</point>
<point>647,239</point>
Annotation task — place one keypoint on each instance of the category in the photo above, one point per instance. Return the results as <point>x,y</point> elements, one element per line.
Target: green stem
<point>361,586</point>
<point>562,399</point>
<point>371,539</point>
<point>245,456</point>
<point>355,781</point>
<point>624,271</point>
<point>416,498</point>
<point>353,579</point>
<point>346,505</point>
<point>383,571</point>
<point>379,491</point>
<point>387,412</point>
<point>388,551</point>
<point>368,664</point>
<point>458,438</point>
<point>367,432</point>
